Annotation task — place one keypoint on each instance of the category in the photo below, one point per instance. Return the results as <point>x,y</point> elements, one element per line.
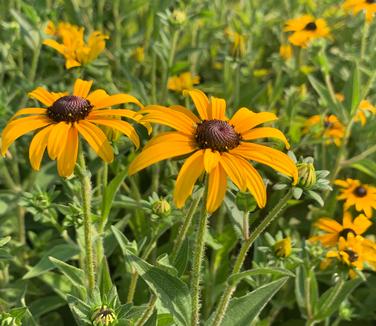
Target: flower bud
<point>161,207</point>
<point>307,175</point>
<point>282,248</point>
<point>178,17</point>
<point>103,316</point>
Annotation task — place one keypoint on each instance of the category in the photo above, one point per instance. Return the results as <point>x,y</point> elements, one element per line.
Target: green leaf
<point>4,241</point>
<point>171,291</point>
<point>366,166</point>
<point>352,91</point>
<point>243,310</point>
<point>152,321</point>
<point>104,279</point>
<point>330,301</point>
<point>4,255</point>
<point>74,274</point>
<point>110,192</point>
<point>125,245</point>
<point>62,252</point>
<point>323,92</point>
<point>44,305</point>
<point>236,278</point>
<point>182,258</point>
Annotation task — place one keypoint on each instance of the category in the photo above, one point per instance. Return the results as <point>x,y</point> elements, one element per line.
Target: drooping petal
<point>234,171</point>
<point>328,225</point>
<point>361,224</point>
<point>265,132</point>
<point>43,96</point>
<point>217,108</point>
<point>82,87</point>
<point>164,147</point>
<point>211,159</point>
<point>115,112</point>
<point>244,119</point>
<point>20,127</point>
<point>111,100</point>
<point>187,112</point>
<point>216,188</point>
<point>175,136</point>
<point>38,146</point>
<point>121,126</point>
<point>55,45</point>
<point>96,139</point>
<point>97,96</point>
<point>29,111</point>
<point>57,139</point>
<point>201,102</point>
<point>187,177</point>
<point>68,156</point>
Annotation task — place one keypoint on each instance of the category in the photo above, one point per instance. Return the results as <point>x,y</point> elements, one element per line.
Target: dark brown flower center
<point>310,26</point>
<point>353,256</point>
<point>69,108</point>
<point>371,1</point>
<point>345,232</point>
<point>217,135</point>
<point>360,191</point>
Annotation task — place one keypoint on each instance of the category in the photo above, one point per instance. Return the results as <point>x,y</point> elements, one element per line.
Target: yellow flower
<point>334,230</point>
<point>285,51</point>
<point>184,81</point>
<point>139,54</point>
<point>362,196</point>
<point>64,119</point>
<point>329,126</point>
<point>364,108</point>
<point>356,6</point>
<point>340,97</point>
<point>216,145</point>
<point>282,248</point>
<point>306,28</point>
<point>238,43</point>
<point>73,47</point>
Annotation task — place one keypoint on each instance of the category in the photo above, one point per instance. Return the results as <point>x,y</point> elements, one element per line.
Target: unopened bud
<point>103,316</point>
<point>161,207</point>
<point>307,175</point>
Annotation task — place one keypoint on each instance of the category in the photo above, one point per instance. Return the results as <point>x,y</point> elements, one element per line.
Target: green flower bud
<point>307,175</point>
<point>178,17</point>
<point>161,207</point>
<point>283,248</point>
<point>103,316</point>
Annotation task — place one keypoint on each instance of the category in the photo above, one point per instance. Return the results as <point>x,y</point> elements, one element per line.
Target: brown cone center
<point>360,192</point>
<point>310,26</point>
<point>69,108</point>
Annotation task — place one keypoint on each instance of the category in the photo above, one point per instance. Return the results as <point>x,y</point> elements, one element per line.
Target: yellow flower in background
<point>139,54</point>
<point>356,6</point>
<point>362,196</point>
<point>365,108</point>
<point>216,145</point>
<point>238,43</point>
<point>340,97</point>
<point>285,51</point>
<point>334,230</point>
<point>305,29</point>
<point>66,117</point>
<point>182,82</point>
<point>283,248</point>
<point>76,51</point>
<point>329,127</point>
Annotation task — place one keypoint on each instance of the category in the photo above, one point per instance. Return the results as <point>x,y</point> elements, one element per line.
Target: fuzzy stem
<point>147,313</point>
<point>86,206</point>
<point>103,219</point>
<point>261,227</point>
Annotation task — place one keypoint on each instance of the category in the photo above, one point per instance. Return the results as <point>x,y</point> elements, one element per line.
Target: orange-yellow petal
<point>216,188</point>
<point>55,45</point>
<point>57,139</point>
<point>187,177</point>
<point>211,159</point>
<point>244,119</point>
<point>217,108</point>
<point>82,87</point>
<point>201,102</point>
<point>265,132</point>
<point>38,146</point>
<point>29,111</point>
<point>114,100</point>
<point>43,96</point>
<point>68,156</point>
<point>97,96</point>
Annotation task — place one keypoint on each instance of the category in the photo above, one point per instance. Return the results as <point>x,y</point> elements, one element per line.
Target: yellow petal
<point>361,224</point>
<point>38,146</point>
<point>97,96</point>
<point>328,225</point>
<point>164,147</point>
<point>187,177</point>
<point>217,108</point>
<point>234,171</point>
<point>19,127</point>
<point>121,126</point>
<point>187,112</point>
<point>115,100</point>
<point>55,45</point>
<point>216,189</point>
<point>167,136</point>
<point>211,159</point>
<point>201,102</point>
<point>43,96</point>
<point>82,87</point>
<point>96,139</point>
<point>27,111</point>
<point>57,139</point>
<point>68,156</point>
<point>71,63</point>
<point>244,119</point>
<point>265,132</point>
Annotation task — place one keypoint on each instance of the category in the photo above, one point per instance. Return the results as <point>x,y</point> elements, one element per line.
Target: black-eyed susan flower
<point>305,29</point>
<point>361,196</point>
<point>334,230</point>
<point>215,144</point>
<point>285,51</point>
<point>238,43</point>
<point>365,109</point>
<point>73,47</point>
<point>356,6</point>
<point>64,118</point>
<point>283,248</point>
<point>182,82</point>
<point>329,127</point>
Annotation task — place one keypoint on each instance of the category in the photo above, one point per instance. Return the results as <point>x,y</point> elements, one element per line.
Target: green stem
<point>364,40</point>
<point>360,156</point>
<point>197,262</point>
<point>246,225</point>
<point>103,220</point>
<point>261,227</point>
<point>185,226</point>
<point>132,287</point>
<point>147,313</point>
<point>86,207</point>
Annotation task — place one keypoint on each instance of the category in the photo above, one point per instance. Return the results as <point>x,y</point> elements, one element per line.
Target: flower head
<point>282,248</point>
<point>365,108</point>
<point>182,82</point>
<point>305,29</point>
<point>356,6</point>
<point>76,51</point>
<point>66,117</point>
<point>217,145</point>
<point>362,196</point>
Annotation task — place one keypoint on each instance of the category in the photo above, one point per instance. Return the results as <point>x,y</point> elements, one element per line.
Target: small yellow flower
<point>362,196</point>
<point>305,29</point>
<point>216,145</point>
<point>139,54</point>
<point>334,230</point>
<point>356,6</point>
<point>330,128</point>
<point>66,117</point>
<point>76,51</point>
<point>238,43</point>
<point>364,108</point>
<point>340,97</point>
<point>285,51</point>
<point>182,82</point>
<point>283,248</point>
